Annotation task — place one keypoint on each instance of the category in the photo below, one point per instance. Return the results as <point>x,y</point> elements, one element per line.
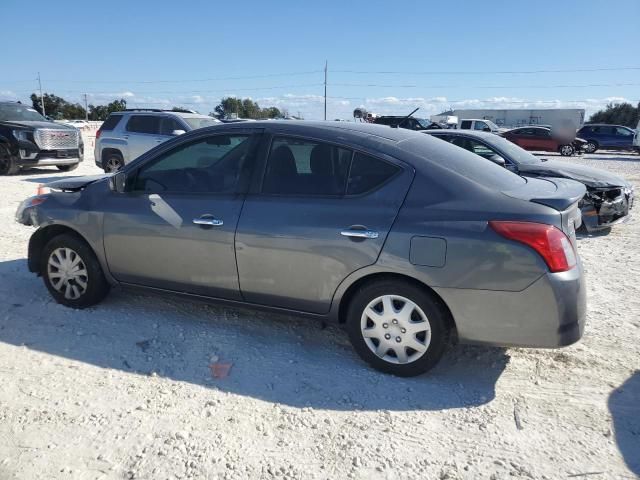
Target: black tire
<point>68,168</point>
<point>8,165</point>
<point>97,286</point>
<point>112,162</point>
<point>436,315</point>
<point>566,150</point>
<point>591,146</point>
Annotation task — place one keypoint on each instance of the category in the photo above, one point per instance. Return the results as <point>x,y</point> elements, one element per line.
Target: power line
<point>485,86</point>
<point>486,72</point>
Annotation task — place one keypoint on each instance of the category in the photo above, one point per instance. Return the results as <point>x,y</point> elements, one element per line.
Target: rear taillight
<point>550,242</point>
<point>98,132</point>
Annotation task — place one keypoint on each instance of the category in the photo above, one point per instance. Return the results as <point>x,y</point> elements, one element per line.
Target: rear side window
<point>368,173</point>
<point>306,167</point>
<point>111,122</point>
<point>144,124</point>
<point>302,167</point>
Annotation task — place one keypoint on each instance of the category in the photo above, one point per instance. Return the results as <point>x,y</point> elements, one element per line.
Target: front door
<point>321,213</point>
<point>174,226</point>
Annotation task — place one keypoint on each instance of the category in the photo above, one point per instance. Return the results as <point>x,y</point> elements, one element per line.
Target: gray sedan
<point>406,240</point>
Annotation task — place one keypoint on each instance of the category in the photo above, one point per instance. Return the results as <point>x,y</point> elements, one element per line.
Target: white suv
<point>128,134</point>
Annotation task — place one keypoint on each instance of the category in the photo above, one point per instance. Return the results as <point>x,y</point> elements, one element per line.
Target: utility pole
<point>41,97</point>
<point>325,89</point>
<point>86,110</point>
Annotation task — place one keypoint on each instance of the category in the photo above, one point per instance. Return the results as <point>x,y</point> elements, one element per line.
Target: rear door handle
<point>208,221</point>
<point>359,233</point>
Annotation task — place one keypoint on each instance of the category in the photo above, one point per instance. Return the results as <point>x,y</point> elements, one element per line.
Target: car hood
<point>74,184</point>
<point>591,177</point>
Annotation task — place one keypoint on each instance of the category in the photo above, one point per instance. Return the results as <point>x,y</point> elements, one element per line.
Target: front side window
<point>481,126</point>
<point>168,125</point>
<point>541,132</point>
<point>210,165</point>
<point>144,124</point>
<point>304,167</point>
<point>623,132</point>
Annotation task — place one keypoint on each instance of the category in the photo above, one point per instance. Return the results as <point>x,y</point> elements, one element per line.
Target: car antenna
<point>397,125</point>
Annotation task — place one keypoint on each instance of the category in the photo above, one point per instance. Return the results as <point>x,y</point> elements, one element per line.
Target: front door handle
<point>208,221</point>
<point>359,233</point>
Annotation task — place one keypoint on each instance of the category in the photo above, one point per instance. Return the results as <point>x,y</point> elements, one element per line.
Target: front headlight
<point>21,134</point>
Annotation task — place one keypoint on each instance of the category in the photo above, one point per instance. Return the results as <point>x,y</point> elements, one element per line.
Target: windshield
<point>200,122</point>
<point>511,150</point>
<point>424,123</point>
<point>492,125</point>
<point>18,112</point>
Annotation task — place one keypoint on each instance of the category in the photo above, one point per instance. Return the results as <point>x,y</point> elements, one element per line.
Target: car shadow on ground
<point>624,405</point>
<point>33,172</point>
<point>278,359</point>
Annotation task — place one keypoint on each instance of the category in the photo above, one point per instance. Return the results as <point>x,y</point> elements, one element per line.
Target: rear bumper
<point>549,313</point>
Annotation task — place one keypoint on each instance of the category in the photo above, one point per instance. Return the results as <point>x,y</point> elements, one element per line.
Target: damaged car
<point>608,199</point>
<point>406,240</point>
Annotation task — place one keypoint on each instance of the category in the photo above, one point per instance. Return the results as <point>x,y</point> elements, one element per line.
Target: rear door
<point>174,226</point>
<point>544,140</point>
<point>319,213</point>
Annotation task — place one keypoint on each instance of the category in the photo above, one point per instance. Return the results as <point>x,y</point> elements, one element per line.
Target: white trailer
<point>518,117</point>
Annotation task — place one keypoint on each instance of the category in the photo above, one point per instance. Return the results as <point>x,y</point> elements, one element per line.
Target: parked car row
<point>407,240</point>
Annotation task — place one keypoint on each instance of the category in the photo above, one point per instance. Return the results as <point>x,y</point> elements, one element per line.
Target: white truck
<point>478,124</point>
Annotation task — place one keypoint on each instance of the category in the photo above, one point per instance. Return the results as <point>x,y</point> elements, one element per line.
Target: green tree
<point>101,112</point>
<point>244,108</point>
<point>57,107</point>
<point>618,114</point>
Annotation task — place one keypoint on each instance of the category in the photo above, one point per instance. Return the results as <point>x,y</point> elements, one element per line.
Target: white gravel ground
<point>124,390</point>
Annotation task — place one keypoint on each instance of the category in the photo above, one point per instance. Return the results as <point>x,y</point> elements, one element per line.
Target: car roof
<point>604,125</point>
<point>460,133</point>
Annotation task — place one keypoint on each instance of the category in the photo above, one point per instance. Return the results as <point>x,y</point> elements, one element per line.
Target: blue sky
<point>191,53</point>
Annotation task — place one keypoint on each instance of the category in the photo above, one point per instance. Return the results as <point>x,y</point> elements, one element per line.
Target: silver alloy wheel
<point>566,150</point>
<point>590,147</point>
<point>113,165</point>
<point>395,329</point>
<point>67,273</point>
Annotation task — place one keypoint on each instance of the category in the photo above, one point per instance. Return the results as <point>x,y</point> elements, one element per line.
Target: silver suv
<point>126,135</point>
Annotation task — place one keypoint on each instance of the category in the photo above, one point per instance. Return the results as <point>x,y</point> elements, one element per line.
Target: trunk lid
<point>560,194</point>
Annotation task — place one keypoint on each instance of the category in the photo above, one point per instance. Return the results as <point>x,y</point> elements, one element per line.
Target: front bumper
<point>607,213</point>
<point>549,313</point>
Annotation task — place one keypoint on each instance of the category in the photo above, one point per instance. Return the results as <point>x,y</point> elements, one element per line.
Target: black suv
<point>410,123</point>
<point>27,139</point>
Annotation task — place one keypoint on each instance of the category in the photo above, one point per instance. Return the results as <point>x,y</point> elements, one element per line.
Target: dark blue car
<point>613,137</point>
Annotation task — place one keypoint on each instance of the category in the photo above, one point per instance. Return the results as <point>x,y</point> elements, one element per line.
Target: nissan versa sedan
<point>608,199</point>
<point>406,240</point>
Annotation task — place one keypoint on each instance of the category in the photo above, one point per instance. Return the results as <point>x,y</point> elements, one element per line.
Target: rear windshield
<point>111,122</point>
<point>462,161</point>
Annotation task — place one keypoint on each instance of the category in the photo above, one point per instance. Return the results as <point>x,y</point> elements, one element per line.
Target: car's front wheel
<point>72,272</point>
<point>567,150</point>
<point>397,327</point>
<point>8,165</point>
<point>113,162</point>
<point>591,147</point>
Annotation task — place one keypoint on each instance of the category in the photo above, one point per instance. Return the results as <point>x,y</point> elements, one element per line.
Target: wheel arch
<point>40,238</point>
<point>110,151</point>
<point>349,293</point>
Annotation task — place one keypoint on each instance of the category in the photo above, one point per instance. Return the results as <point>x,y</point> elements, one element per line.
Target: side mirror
<point>117,182</point>
<point>498,160</point>
<point>486,129</point>
<point>175,133</point>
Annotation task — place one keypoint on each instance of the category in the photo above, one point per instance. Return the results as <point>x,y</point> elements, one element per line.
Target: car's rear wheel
<point>8,164</point>
<point>567,150</point>
<point>72,272</point>
<point>113,162</point>
<point>591,146</point>
<point>397,327</point>
<point>67,168</point>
